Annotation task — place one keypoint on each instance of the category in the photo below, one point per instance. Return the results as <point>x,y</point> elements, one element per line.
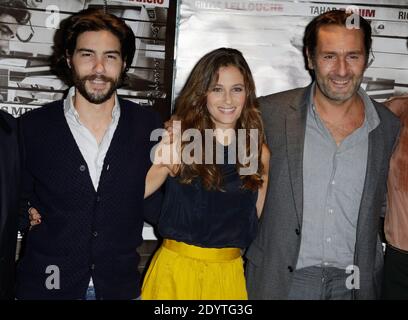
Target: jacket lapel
<point>4,188</point>
<point>374,164</point>
<point>61,127</point>
<point>114,155</point>
<point>295,138</point>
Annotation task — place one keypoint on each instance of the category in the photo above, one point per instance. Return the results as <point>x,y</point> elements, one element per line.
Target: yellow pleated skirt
<point>180,271</point>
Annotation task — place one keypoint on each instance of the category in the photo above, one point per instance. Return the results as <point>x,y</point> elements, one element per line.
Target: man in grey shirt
<point>330,146</point>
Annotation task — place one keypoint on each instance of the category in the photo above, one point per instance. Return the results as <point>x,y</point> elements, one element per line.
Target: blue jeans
<point>90,293</point>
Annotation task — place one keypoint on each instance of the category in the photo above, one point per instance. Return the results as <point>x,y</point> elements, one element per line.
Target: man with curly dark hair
<point>85,162</point>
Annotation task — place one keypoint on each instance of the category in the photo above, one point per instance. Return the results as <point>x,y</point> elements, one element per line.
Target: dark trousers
<point>320,283</point>
<point>395,285</point>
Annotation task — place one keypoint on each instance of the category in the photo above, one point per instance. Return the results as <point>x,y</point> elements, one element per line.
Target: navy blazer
<point>9,190</point>
<point>83,232</point>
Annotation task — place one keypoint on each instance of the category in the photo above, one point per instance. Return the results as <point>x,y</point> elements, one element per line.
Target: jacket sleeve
<point>27,183</point>
<point>152,204</point>
<point>152,207</point>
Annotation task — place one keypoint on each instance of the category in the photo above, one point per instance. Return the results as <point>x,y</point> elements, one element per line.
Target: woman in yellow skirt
<point>215,193</point>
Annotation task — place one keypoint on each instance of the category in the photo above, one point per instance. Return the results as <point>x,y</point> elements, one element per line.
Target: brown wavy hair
<point>191,110</point>
<point>91,19</point>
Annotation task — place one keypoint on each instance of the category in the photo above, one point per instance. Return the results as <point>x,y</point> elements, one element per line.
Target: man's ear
<point>124,66</point>
<point>309,60</point>
<point>68,59</point>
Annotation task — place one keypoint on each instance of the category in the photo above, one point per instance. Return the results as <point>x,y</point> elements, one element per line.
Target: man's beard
<point>97,97</point>
<point>327,90</point>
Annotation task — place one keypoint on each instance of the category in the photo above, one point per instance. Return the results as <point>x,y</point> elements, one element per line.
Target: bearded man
<point>85,163</point>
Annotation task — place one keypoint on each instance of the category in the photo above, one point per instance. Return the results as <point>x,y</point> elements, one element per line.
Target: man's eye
<point>111,56</point>
<point>328,56</point>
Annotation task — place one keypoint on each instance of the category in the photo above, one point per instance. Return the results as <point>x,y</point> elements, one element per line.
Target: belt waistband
<point>396,249</point>
<point>208,254</point>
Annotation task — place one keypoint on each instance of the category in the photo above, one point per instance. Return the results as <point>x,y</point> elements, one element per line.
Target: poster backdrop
<point>269,33</point>
<point>26,80</point>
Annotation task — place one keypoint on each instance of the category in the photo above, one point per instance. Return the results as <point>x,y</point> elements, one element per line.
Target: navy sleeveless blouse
<point>210,218</point>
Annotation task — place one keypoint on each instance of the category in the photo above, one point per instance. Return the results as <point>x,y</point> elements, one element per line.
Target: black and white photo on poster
<point>270,33</point>
<point>26,78</point>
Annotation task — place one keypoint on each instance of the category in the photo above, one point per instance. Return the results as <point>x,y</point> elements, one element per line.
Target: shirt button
<point>95,234</point>
<point>333,182</point>
<point>328,239</point>
<point>82,168</point>
<point>330,210</point>
<point>98,198</point>
<point>107,167</point>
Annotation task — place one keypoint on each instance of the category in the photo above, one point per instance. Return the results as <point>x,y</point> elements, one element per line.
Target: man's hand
<point>34,216</point>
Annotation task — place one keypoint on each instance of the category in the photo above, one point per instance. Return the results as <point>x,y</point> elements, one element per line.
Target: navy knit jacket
<point>83,232</point>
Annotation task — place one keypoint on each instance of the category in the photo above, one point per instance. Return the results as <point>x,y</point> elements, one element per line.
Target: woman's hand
<point>34,217</point>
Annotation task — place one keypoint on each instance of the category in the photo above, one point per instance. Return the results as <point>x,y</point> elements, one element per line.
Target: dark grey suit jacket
<point>9,192</point>
<point>273,255</point>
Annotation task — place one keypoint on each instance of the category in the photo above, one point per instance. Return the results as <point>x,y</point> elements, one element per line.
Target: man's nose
<point>341,66</point>
<point>99,65</point>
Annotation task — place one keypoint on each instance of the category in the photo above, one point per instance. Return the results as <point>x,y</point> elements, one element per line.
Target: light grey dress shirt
<point>333,181</point>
